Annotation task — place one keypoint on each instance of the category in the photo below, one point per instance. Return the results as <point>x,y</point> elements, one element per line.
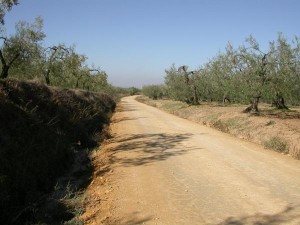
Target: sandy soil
<point>161,169</point>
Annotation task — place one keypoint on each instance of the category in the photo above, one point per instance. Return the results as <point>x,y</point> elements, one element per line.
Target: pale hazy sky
<point>134,41</point>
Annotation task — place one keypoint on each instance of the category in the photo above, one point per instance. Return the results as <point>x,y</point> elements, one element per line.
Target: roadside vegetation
<point>42,131</point>
<point>245,78</point>
<point>25,56</point>
<point>244,75</point>
<point>278,131</point>
<point>54,109</point>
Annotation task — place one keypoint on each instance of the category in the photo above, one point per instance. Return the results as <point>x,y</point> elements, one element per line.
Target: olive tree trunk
<point>254,105</point>
<point>279,102</point>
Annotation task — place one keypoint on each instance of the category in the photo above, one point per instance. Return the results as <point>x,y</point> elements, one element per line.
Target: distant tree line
<point>23,55</point>
<point>246,74</point>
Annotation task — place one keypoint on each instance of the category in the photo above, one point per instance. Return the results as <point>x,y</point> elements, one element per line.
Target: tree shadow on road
<point>131,219</point>
<point>126,118</point>
<point>126,107</point>
<point>290,215</point>
<point>149,148</point>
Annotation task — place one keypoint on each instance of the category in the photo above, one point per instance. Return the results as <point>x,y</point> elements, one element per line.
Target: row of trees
<point>24,56</point>
<point>242,75</point>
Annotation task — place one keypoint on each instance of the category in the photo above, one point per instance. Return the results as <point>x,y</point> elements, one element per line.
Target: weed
<point>74,221</point>
<point>152,104</point>
<point>295,152</point>
<point>212,117</point>
<point>218,124</point>
<point>277,143</point>
<point>269,123</point>
<point>174,106</point>
<point>236,122</point>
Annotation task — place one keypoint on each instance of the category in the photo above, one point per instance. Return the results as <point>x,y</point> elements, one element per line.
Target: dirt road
<point>167,170</point>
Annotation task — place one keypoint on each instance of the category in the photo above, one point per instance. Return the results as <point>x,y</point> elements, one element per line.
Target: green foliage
<point>243,73</point>
<point>23,56</point>
<point>44,128</point>
<point>134,91</point>
<point>154,91</point>
<point>176,87</point>
<point>6,5</point>
<point>21,50</point>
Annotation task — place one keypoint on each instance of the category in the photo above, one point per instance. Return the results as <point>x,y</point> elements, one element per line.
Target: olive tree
<point>75,69</point>
<point>243,75</point>
<point>21,47</point>
<point>52,60</point>
<point>284,70</point>
<point>254,69</point>
<point>190,80</point>
<point>6,5</point>
<point>154,91</point>
<point>97,80</point>
<point>219,73</point>
<point>177,88</point>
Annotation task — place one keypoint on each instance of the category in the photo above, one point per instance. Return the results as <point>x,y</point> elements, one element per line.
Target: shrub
<point>154,91</point>
<point>134,91</point>
<point>221,126</point>
<point>269,123</point>
<point>276,143</point>
<point>295,152</point>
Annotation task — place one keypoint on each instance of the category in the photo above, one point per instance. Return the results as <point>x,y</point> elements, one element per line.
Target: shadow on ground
<point>149,148</point>
<point>281,114</point>
<point>290,215</point>
<point>127,118</point>
<point>132,219</point>
<point>126,107</point>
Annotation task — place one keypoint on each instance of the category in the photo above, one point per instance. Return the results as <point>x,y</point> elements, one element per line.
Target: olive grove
<point>246,75</point>
<point>23,55</point>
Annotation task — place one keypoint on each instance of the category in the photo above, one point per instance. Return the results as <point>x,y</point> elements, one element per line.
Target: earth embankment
<point>42,129</point>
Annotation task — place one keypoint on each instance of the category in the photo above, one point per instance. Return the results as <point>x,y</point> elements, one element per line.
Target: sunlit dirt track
<point>167,170</point>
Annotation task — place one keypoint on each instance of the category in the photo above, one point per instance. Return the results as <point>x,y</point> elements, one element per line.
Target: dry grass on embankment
<point>278,130</point>
<point>44,133</point>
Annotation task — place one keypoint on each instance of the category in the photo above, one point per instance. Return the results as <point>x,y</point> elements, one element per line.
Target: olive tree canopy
<point>6,5</point>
